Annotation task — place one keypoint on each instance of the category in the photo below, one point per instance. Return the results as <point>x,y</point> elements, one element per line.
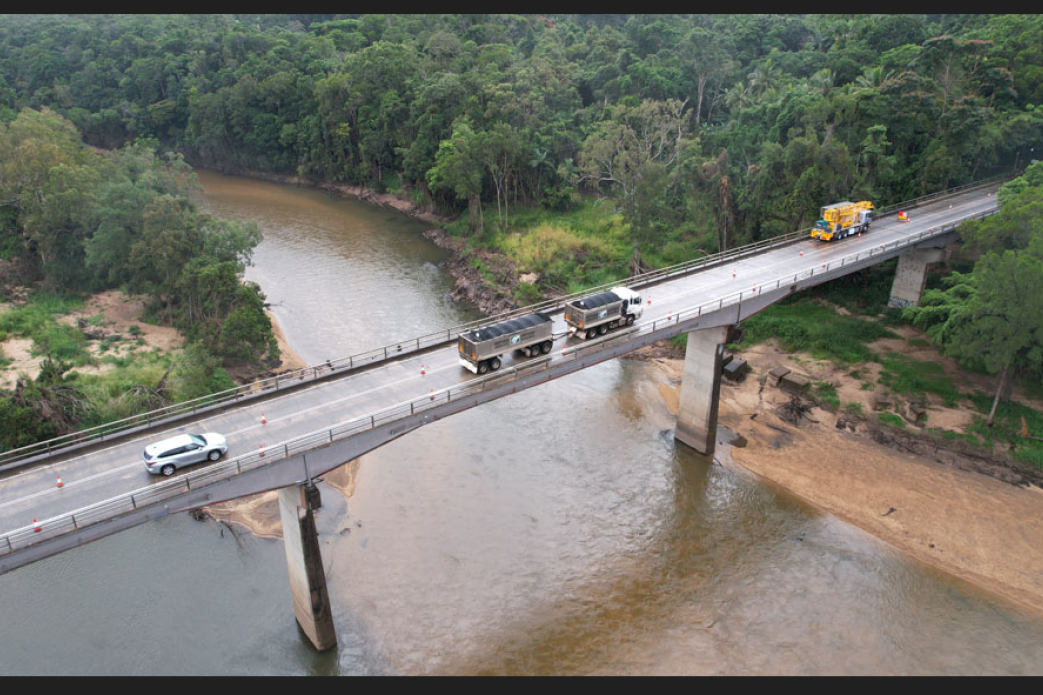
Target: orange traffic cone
<point>264,420</point>
<point>60,483</point>
<point>432,394</point>
<point>260,448</point>
<point>36,526</point>
<point>422,372</point>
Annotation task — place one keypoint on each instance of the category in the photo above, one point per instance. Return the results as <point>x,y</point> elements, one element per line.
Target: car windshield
<point>197,439</point>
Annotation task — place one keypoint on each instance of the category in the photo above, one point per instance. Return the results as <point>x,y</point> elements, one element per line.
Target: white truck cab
<point>599,313</point>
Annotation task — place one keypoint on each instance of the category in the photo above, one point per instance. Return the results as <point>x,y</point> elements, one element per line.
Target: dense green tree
<point>991,317</point>
<point>458,169</point>
<point>920,101</point>
<point>1019,221</point>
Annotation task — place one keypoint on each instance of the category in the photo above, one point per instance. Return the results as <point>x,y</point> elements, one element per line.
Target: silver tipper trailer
<point>481,348</point>
<point>596,314</point>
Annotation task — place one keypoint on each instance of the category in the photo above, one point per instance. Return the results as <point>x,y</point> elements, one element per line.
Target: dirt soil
<point>105,316</point>
<point>110,315</point>
<point>959,511</point>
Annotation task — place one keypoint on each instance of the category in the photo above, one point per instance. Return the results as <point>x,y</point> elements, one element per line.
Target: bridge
<point>286,432</point>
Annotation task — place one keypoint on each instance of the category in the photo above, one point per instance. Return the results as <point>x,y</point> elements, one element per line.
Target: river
<point>557,531</point>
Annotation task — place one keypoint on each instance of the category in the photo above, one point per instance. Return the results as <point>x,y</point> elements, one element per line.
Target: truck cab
<point>596,314</point>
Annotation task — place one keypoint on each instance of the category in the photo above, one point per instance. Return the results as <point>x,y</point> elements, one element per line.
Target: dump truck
<point>843,219</point>
<point>597,314</point>
<point>481,349</point>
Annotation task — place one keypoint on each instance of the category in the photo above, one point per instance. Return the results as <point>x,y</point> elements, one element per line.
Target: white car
<point>165,457</point>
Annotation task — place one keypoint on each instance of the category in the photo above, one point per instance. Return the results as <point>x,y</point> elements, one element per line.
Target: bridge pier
<point>700,388</point>
<point>911,276</point>
<point>311,602</point>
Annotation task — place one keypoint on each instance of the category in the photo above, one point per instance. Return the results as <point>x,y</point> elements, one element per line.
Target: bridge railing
<point>193,480</point>
<point>265,387</point>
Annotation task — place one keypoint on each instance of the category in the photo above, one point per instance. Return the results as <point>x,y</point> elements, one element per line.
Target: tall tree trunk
<point>996,400</point>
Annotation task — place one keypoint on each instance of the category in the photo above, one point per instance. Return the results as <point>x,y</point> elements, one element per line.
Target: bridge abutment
<point>700,389</point>
<point>911,276</point>
<point>311,602</point>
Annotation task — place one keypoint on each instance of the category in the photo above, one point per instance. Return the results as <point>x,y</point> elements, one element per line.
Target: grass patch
<point>1011,422</point>
<point>570,253</point>
<point>911,377</point>
<point>892,419</point>
<point>826,393</point>
<point>801,325</point>
<point>967,437</point>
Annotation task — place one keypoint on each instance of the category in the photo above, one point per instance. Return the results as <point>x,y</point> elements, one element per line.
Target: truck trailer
<point>843,219</point>
<point>481,348</point>
<point>597,314</point>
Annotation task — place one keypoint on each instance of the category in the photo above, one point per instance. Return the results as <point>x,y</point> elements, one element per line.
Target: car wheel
<point>167,470</point>
<point>214,455</point>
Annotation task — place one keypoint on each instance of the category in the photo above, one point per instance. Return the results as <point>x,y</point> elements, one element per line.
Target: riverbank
<point>936,507</point>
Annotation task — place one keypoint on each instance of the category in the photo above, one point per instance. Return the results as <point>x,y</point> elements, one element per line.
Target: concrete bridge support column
<point>311,602</point>
<point>700,388</point>
<point>911,276</point>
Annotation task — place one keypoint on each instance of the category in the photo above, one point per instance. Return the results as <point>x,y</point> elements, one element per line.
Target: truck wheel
<point>494,363</point>
<point>591,332</point>
<point>546,346</point>
<point>603,329</point>
<point>630,320</point>
<point>483,367</point>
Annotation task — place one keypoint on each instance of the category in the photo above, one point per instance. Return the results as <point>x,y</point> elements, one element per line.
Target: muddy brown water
<point>557,531</point>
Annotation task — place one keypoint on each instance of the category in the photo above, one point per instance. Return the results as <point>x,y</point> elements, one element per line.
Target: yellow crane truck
<point>843,219</point>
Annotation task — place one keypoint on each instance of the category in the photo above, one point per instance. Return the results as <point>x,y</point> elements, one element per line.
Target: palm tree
<point>765,80</point>
<point>872,78</point>
<point>823,81</point>
<point>539,162</point>
<point>738,97</point>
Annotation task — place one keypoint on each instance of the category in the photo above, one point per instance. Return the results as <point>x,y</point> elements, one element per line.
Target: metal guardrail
<point>264,387</point>
<point>69,522</point>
